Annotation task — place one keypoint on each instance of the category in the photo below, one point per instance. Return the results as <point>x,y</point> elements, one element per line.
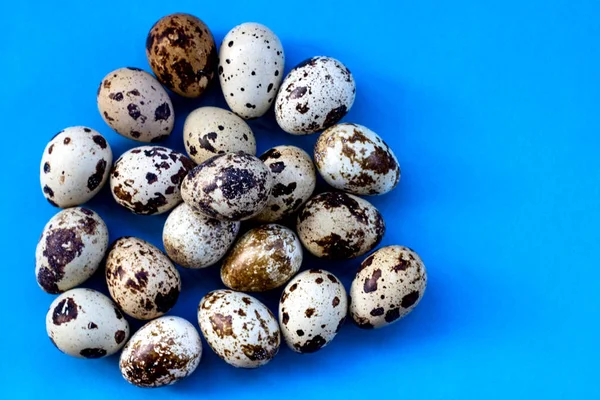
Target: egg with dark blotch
<point>263,259</point>
<point>70,249</point>
<point>294,180</point>
<point>389,285</point>
<point>315,95</point>
<point>228,187</point>
<point>146,180</point>
<point>75,166</point>
<point>239,328</point>
<point>339,226</point>
<point>85,323</point>
<point>135,105</point>
<point>354,159</point>
<point>182,54</point>
<point>162,352</point>
<point>141,278</point>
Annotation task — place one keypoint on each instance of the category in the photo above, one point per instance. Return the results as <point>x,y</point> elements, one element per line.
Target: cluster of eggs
<point>219,184</point>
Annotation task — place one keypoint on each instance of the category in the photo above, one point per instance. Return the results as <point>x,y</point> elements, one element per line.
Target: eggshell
<point>162,352</point>
<point>75,166</point>
<point>209,131</point>
<point>135,105</point>
<point>141,279</point>
<point>263,259</point>
<point>146,180</point>
<point>315,95</point>
<point>194,240</point>
<point>182,53</point>
<point>228,187</point>
<point>389,284</point>
<point>312,310</point>
<point>239,328</point>
<point>70,249</point>
<point>85,323</point>
<point>353,158</point>
<point>337,225</point>
<point>251,64</point>
<point>294,180</point>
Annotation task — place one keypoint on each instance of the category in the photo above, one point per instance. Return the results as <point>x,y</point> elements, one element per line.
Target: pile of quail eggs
<point>209,191</point>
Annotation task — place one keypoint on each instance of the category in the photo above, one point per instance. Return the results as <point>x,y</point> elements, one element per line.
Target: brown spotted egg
<point>209,131</point>
<point>228,187</point>
<point>75,166</point>
<point>312,310</point>
<point>239,328</point>
<point>263,259</point>
<point>141,279</point>
<point>389,284</point>
<point>70,249</point>
<point>337,225</point>
<point>194,240</point>
<point>315,95</point>
<point>294,180</point>
<point>146,180</point>
<point>85,323</point>
<point>135,105</point>
<point>162,352</point>
<point>182,54</point>
<point>355,159</point>
<point>251,64</point>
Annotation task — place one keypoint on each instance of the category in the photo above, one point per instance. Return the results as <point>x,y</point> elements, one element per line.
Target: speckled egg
<point>135,105</point>
<point>70,249</point>
<point>294,181</point>
<point>75,166</point>
<point>251,64</point>
<point>355,159</point>
<point>85,323</point>
<point>312,310</point>
<point>194,240</point>
<point>146,180</point>
<point>182,53</point>
<point>388,285</point>
<point>141,279</point>
<point>263,259</point>
<point>239,328</point>
<point>315,95</point>
<point>209,131</point>
<point>228,187</point>
<point>337,225</point>
<point>162,352</point>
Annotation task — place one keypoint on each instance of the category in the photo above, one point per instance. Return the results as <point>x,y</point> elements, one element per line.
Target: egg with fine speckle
<point>209,131</point>
<point>75,166</point>
<point>239,328</point>
<point>194,240</point>
<point>135,105</point>
<point>147,179</point>
<point>315,95</point>
<point>228,187</point>
<point>389,284</point>
<point>141,279</point>
<point>312,310</point>
<point>85,323</point>
<point>70,249</point>
<point>353,158</point>
<point>162,352</point>
<point>339,226</point>
<point>251,64</point>
<point>263,259</point>
<point>294,180</point>
<point>182,54</point>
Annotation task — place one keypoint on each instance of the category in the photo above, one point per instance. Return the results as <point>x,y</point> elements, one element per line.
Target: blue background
<point>493,112</point>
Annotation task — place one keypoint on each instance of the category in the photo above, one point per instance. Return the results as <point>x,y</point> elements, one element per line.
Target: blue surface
<point>493,111</point>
